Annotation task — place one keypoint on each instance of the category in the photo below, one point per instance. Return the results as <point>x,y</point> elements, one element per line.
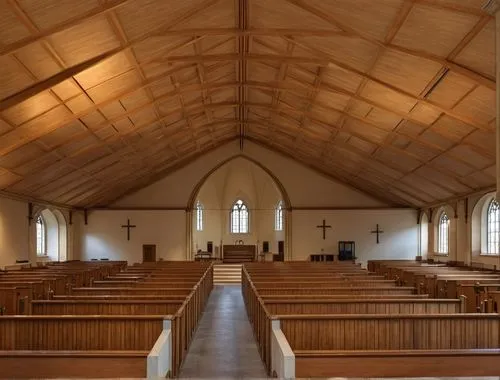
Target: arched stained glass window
<point>199,216</point>
<point>41,237</point>
<point>493,227</point>
<point>239,218</point>
<point>278,217</point>
<point>443,233</point>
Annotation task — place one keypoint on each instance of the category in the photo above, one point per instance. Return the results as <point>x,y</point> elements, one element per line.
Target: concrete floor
<point>224,344</point>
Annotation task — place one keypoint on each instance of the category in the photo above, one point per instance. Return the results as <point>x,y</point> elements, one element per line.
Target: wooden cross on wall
<point>378,231</point>
<point>128,226</point>
<point>324,227</point>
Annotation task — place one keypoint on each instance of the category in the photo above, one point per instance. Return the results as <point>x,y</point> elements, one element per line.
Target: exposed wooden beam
<point>268,32</point>
<point>247,57</point>
<point>47,84</point>
<point>468,73</point>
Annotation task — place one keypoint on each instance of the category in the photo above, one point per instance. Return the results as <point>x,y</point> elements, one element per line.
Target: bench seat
<point>73,364</point>
<point>389,363</point>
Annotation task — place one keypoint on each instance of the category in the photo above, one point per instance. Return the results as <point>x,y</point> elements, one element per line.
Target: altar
<point>237,254</point>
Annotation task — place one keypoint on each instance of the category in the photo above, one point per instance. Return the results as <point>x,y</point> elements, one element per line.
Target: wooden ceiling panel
<point>282,14</point>
<point>220,15</point>
<point>85,41</point>
<point>335,76</point>
<point>480,53</point>
<point>354,52</point>
<point>62,135</point>
<point>444,180</point>
<point>421,184</point>
<point>405,71</point>
<point>387,97</point>
<point>424,23</point>
<point>473,158</point>
<point>11,30</point>
<point>48,13</point>
<point>435,139</point>
<point>452,129</point>
<point>359,15</point>
<point>411,129</point>
<point>66,90</point>
<point>425,114</point>
<point>452,165</point>
<point>115,86</point>
<point>337,101</point>
<point>484,140</point>
<point>113,67</point>
<point>12,77</point>
<point>396,160</point>
<point>451,89</point>
<point>383,119</point>
<point>18,157</point>
<point>30,108</point>
<point>478,180</point>
<point>37,60</point>
<point>33,166</point>
<point>8,178</point>
<point>363,145</point>
<point>425,153</point>
<point>478,105</point>
<point>372,134</point>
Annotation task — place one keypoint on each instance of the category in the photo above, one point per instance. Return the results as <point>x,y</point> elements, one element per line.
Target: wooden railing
<point>259,317</point>
<point>185,321</point>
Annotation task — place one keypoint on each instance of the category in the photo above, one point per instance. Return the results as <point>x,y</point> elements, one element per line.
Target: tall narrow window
<point>443,233</point>
<point>199,216</point>
<point>493,227</point>
<point>278,217</point>
<point>41,237</point>
<point>239,218</point>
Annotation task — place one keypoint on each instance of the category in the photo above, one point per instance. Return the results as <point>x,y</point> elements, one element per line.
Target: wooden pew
<point>364,306</point>
<point>105,307</point>
<point>15,300</point>
<point>338,290</point>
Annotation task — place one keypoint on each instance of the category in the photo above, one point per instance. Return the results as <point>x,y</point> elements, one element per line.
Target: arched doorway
<point>239,202</point>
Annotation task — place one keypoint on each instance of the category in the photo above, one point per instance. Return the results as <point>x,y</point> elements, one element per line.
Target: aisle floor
<point>224,344</point>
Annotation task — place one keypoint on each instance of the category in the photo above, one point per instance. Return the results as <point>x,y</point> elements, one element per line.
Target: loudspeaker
<point>265,246</point>
<point>210,246</point>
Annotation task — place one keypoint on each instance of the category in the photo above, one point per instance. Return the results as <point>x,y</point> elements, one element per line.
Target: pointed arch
<point>240,218</point>
<point>443,238</point>
<point>493,228</point>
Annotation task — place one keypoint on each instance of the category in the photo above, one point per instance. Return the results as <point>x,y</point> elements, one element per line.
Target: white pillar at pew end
<point>159,362</point>
<point>493,8</point>
<point>282,356</point>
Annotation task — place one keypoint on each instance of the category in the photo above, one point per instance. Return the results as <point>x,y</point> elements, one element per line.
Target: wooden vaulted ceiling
<point>394,97</point>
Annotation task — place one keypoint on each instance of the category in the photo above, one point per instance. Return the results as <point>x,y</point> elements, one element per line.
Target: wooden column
<point>493,8</point>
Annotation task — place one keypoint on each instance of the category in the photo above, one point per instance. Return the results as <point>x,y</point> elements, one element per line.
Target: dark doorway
<point>281,251</point>
<point>148,253</point>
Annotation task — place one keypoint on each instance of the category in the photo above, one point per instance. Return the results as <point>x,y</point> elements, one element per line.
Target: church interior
<point>249,189</point>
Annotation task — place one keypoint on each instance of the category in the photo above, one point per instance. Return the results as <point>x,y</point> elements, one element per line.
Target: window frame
<point>489,222</point>
<point>443,228</point>
<point>40,221</point>
<point>199,216</point>
<point>243,207</point>
<point>278,217</point>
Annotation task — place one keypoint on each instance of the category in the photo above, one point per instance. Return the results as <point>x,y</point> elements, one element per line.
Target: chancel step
<point>227,274</point>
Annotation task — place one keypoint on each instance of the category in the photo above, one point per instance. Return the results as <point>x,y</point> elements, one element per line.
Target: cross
<point>324,226</point>
<point>378,232</point>
<point>128,226</point>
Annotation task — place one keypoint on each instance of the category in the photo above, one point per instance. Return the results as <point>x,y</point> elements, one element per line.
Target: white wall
<point>103,237</point>
<point>13,232</point>
<point>307,189</point>
<point>399,240</point>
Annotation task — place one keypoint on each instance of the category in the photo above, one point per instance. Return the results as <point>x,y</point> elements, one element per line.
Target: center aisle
<point>224,345</point>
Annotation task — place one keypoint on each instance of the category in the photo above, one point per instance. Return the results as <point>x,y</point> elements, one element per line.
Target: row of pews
<point>479,287</point>
<point>338,320</point>
<point>100,319</point>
